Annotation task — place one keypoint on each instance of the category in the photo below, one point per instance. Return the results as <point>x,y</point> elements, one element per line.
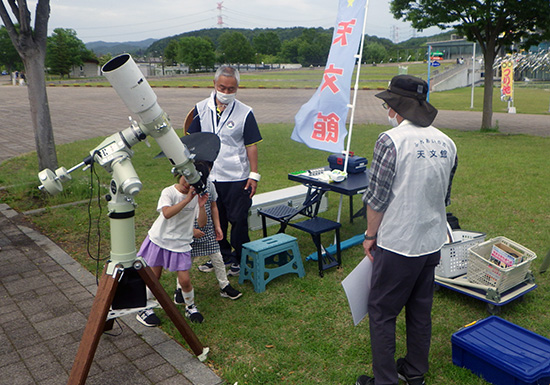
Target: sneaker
<point>234,270</point>
<point>417,380</point>
<point>193,314</point>
<point>230,292</point>
<point>178,297</point>
<point>364,380</point>
<point>206,267</point>
<point>148,318</point>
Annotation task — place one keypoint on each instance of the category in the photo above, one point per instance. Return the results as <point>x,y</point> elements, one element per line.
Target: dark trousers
<point>233,205</point>
<point>397,282</point>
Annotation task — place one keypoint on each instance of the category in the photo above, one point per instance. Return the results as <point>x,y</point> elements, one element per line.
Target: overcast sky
<point>135,20</point>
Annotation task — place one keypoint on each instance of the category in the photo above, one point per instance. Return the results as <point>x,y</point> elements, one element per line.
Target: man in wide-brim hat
<point>410,184</point>
<point>407,96</point>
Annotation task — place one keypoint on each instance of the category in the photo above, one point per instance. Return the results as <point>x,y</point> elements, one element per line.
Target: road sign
<point>436,64</point>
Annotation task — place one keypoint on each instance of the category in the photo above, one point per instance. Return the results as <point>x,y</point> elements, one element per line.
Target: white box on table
<point>290,196</point>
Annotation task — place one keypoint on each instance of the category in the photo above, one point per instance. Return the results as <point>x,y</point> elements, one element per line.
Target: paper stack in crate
<point>505,256</point>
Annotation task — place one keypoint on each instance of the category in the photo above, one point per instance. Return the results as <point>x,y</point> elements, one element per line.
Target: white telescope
<point>134,90</point>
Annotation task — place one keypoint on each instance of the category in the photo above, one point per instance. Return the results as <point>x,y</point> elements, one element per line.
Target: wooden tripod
<point>98,316</point>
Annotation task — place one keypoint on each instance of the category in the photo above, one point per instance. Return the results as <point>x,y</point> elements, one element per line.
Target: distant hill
<point>289,33</point>
<point>156,46</point>
<point>214,34</point>
<point>133,47</point>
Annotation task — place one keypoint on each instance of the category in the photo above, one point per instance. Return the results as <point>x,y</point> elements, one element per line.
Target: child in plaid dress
<point>205,239</point>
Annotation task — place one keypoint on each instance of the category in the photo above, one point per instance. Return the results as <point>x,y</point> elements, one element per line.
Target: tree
<point>289,50</point>
<point>31,46</point>
<point>235,48</point>
<point>64,50</point>
<point>315,47</point>
<point>374,53</point>
<point>8,55</point>
<point>267,43</point>
<point>171,52</point>
<point>310,48</point>
<point>103,59</point>
<point>493,24</point>
<point>196,52</point>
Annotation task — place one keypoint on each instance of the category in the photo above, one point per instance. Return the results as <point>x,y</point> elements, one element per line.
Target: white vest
<point>414,223</point>
<point>231,165</point>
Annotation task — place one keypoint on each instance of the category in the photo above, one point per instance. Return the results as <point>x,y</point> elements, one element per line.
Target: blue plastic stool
<point>257,257</point>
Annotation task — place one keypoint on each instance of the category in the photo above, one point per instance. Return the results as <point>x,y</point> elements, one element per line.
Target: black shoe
<point>230,292</point>
<point>206,267</point>
<point>178,297</point>
<point>409,380</point>
<point>364,380</point>
<point>234,270</point>
<point>148,318</point>
<point>193,314</point>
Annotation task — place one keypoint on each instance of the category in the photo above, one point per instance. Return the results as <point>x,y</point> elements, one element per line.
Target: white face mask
<point>225,98</point>
<point>393,121</point>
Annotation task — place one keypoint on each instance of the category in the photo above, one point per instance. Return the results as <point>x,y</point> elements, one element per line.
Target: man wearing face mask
<point>411,176</point>
<point>235,171</point>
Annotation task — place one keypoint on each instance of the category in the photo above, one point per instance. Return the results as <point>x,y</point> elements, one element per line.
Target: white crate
<point>454,256</point>
<point>484,272</point>
<point>290,196</point>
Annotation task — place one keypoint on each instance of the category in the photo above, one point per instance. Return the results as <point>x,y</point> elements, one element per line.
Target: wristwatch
<point>369,238</point>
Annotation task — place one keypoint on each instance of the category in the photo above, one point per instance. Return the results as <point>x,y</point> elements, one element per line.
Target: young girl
<point>205,238</point>
<point>168,243</point>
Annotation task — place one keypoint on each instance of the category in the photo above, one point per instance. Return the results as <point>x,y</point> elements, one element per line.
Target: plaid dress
<point>207,244</point>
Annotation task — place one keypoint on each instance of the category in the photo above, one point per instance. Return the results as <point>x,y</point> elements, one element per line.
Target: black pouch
<point>453,221</point>
<point>130,292</point>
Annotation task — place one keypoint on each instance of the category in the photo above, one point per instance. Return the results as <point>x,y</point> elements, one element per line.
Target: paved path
<point>88,112</point>
<point>45,296</point>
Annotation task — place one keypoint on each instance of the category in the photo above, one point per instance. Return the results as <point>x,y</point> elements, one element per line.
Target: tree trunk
<point>40,110</point>
<point>31,47</point>
<point>489,59</point>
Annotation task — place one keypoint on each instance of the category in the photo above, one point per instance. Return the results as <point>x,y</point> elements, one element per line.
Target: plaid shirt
<point>382,173</point>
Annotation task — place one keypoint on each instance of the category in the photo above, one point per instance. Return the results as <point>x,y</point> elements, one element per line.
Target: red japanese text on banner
<point>507,80</point>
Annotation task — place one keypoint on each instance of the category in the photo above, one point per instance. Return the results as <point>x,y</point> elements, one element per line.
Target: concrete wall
<point>87,70</point>
<point>462,77</point>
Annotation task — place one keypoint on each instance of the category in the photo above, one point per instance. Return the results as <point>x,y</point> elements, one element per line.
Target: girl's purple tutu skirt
<point>157,256</point>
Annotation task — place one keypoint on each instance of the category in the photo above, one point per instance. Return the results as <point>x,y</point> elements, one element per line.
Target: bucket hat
<point>406,95</point>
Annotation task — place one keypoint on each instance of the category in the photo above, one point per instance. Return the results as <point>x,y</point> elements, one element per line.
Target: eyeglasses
<point>385,105</point>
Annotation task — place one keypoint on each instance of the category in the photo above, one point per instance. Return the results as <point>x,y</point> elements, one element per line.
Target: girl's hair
<point>203,167</point>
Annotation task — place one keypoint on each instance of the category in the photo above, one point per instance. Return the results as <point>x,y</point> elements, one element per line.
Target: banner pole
<point>356,86</point>
<point>429,68</point>
<point>354,102</point>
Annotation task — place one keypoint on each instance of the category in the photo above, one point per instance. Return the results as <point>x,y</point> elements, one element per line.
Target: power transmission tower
<point>220,15</point>
<point>394,34</point>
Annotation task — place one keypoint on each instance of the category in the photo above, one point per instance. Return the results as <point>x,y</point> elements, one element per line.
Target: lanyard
<point>215,123</point>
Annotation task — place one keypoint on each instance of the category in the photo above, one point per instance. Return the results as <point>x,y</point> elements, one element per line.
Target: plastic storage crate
<point>482,271</point>
<point>454,256</point>
<point>502,352</point>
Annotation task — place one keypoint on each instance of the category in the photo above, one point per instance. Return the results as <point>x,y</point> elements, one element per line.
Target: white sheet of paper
<point>357,288</point>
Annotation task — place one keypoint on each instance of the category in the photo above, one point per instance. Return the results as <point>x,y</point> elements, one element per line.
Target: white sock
<point>189,297</point>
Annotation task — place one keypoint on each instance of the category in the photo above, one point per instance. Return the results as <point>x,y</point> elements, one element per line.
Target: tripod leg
<point>94,327</point>
<point>172,311</point>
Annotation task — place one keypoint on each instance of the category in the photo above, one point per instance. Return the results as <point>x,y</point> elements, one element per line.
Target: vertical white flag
<point>321,122</point>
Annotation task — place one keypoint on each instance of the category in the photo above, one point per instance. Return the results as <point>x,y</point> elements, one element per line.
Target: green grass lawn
<point>300,331</point>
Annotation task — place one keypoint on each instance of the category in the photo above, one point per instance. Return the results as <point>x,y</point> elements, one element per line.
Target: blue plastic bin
<point>502,353</point>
